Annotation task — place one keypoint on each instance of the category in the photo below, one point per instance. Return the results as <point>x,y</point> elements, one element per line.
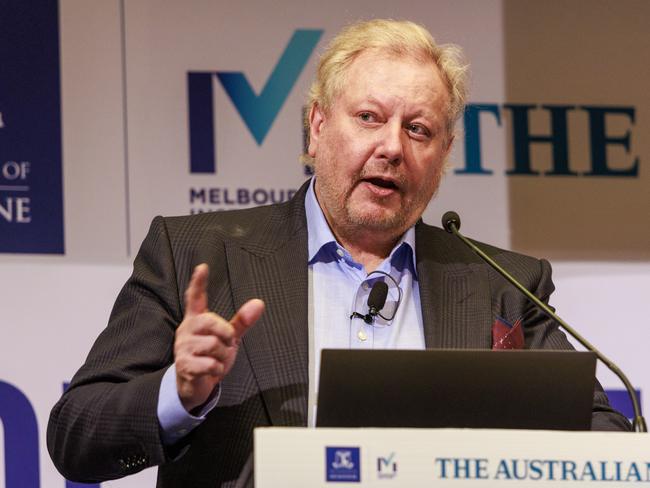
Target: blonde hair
<point>400,38</point>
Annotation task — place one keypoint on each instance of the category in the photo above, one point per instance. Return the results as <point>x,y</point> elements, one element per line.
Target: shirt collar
<point>320,237</point>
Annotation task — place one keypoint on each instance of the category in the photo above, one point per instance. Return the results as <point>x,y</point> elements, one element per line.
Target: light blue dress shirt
<point>339,287</point>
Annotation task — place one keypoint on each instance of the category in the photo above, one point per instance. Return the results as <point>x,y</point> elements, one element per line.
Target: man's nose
<point>390,145</point>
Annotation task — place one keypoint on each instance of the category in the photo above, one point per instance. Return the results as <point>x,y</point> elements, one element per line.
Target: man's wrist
<point>174,420</point>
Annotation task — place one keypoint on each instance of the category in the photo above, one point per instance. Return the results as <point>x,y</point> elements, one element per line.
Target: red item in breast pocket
<point>507,336</point>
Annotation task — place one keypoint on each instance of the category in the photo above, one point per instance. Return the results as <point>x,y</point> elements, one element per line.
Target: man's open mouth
<point>382,183</point>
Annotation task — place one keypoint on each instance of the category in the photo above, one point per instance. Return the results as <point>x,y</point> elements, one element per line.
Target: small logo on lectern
<point>342,464</point>
<point>387,466</point>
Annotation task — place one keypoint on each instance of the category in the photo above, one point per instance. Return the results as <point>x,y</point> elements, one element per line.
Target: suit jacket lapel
<point>454,292</point>
<point>277,346</point>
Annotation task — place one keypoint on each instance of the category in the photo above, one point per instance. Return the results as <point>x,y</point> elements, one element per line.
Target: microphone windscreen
<point>450,217</point>
<point>378,295</point>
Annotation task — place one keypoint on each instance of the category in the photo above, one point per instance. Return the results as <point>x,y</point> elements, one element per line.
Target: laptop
<point>530,389</point>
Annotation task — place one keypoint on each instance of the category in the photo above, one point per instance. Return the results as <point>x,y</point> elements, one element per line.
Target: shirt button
<point>364,285</point>
<point>340,252</point>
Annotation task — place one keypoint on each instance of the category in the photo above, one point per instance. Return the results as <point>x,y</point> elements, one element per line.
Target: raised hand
<point>206,344</point>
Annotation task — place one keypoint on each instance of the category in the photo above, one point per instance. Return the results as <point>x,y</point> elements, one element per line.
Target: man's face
<point>380,148</point>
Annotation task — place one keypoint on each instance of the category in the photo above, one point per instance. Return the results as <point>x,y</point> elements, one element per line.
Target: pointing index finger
<point>196,295</point>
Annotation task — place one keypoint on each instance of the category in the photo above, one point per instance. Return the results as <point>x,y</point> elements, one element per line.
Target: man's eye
<point>418,130</point>
<point>367,117</point>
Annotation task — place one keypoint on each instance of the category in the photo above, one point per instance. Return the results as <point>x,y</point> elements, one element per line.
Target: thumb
<point>246,316</point>
<point>196,295</point>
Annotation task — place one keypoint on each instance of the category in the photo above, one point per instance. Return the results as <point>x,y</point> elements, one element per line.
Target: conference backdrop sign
<point>113,112</point>
<point>31,193</point>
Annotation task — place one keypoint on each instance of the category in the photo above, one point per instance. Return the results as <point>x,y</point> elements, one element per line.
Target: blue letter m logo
<point>257,111</point>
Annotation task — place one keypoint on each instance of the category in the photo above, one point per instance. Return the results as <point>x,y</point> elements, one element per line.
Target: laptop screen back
<point>456,388</point>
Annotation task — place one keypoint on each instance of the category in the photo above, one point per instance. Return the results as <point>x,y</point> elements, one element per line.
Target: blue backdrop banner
<point>31,186</point>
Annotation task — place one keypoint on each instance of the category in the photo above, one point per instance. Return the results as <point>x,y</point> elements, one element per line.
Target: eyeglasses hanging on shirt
<point>377,301</point>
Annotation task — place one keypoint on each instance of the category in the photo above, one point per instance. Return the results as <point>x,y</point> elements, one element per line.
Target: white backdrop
<point>126,159</point>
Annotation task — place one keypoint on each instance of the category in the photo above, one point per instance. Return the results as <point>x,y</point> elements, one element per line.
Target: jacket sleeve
<point>105,426</point>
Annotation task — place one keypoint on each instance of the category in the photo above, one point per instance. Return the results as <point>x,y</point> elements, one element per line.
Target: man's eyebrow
<point>424,113</point>
<point>428,113</point>
<point>373,100</point>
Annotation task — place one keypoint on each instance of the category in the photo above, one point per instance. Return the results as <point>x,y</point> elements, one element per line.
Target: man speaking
<point>220,327</point>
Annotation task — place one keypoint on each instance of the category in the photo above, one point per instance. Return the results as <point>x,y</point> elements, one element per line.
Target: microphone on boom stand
<point>451,223</point>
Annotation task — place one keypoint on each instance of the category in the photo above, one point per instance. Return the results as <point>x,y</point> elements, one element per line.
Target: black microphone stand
<point>451,223</point>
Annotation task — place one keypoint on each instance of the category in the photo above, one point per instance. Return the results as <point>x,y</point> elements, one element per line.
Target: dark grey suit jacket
<point>106,425</point>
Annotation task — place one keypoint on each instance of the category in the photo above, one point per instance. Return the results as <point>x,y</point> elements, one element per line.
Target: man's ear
<point>316,119</point>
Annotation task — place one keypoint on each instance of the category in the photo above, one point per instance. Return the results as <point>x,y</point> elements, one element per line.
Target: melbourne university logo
<point>343,464</point>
